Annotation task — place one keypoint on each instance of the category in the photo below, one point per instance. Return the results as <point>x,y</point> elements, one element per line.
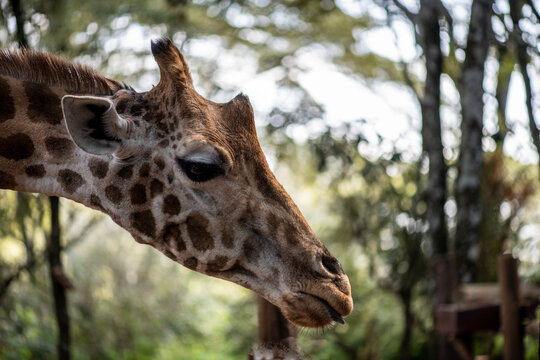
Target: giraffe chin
<point>309,310</point>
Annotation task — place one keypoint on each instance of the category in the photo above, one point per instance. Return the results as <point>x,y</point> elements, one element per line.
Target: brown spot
<point>143,221</point>
<point>35,171</point>
<point>7,181</point>
<point>179,136</point>
<point>197,229</point>
<point>137,194</point>
<point>148,116</point>
<point>227,238</point>
<point>173,237</point>
<point>156,188</point>
<point>136,110</point>
<point>160,163</point>
<point>125,172</point>
<point>169,254</point>
<point>43,104</point>
<point>170,177</point>
<point>70,180</point>
<point>171,205</point>
<point>164,143</point>
<point>272,222</point>
<point>251,252</point>
<point>144,171</point>
<point>16,147</point>
<point>98,167</point>
<point>6,102</point>
<point>292,234</point>
<point>217,264</point>
<point>113,193</point>
<point>191,263</point>
<point>58,147</point>
<point>95,201</point>
<point>162,126</point>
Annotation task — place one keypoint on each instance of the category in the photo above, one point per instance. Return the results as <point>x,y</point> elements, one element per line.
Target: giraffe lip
<point>334,314</point>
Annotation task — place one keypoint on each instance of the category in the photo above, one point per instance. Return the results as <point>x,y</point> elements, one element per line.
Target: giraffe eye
<point>199,171</point>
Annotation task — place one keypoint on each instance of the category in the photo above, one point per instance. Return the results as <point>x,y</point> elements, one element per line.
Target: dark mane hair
<point>47,69</point>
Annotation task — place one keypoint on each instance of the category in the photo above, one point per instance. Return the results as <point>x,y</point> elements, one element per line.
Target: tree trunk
<point>58,285</point>
<point>523,61</point>
<point>506,67</point>
<point>435,192</point>
<point>18,13</point>
<point>408,320</point>
<point>467,190</point>
<point>274,329</point>
<point>277,336</point>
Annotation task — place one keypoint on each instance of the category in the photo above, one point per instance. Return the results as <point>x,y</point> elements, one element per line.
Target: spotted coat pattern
<point>240,225</point>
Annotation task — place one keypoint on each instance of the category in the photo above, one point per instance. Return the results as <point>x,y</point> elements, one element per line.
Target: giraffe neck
<point>36,152</point>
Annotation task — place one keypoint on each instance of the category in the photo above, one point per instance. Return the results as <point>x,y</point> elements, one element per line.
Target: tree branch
<point>506,66</point>
<point>523,61</point>
<point>449,20</point>
<point>27,266</point>
<point>409,14</point>
<point>403,64</point>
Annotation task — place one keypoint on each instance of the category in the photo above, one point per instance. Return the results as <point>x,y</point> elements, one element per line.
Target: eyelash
<point>199,171</point>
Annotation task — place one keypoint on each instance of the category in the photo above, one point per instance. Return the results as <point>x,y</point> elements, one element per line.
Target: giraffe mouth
<point>312,310</point>
<point>334,314</point>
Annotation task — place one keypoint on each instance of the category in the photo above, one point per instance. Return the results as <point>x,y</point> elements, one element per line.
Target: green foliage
<point>129,302</point>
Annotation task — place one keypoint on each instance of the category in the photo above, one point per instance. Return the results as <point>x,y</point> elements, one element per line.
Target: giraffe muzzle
<point>320,305</point>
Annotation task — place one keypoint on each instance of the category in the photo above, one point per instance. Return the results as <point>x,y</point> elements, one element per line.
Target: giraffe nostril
<point>332,265</point>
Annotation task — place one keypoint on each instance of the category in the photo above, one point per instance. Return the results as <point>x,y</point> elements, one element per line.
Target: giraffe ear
<point>94,124</point>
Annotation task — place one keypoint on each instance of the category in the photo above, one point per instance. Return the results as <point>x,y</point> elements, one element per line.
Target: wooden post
<point>510,313</point>
<point>274,329</point>
<point>445,273</point>
<point>277,336</point>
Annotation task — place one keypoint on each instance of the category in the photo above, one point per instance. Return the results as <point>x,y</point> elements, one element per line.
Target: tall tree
<point>467,189</point>
<point>59,282</point>
<point>523,59</point>
<point>18,14</point>
<point>435,192</point>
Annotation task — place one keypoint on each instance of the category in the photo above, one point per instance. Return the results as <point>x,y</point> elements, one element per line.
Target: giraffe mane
<point>46,69</point>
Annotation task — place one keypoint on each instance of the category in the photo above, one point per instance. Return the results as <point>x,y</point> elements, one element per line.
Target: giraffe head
<point>201,192</point>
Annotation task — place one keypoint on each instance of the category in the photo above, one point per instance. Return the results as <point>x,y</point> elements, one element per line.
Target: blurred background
<point>405,130</point>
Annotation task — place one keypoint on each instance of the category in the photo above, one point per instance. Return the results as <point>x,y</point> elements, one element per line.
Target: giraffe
<point>180,173</point>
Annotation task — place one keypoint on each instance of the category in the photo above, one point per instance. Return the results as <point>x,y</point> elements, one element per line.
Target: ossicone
<point>238,114</point>
<point>172,65</point>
